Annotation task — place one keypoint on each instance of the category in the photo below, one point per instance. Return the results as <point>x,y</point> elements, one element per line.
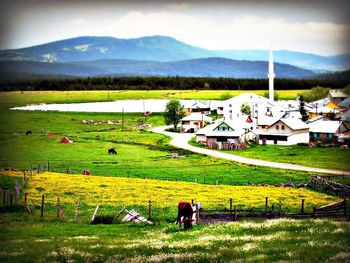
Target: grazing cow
<point>185,210</point>
<point>112,151</point>
<point>85,172</point>
<point>28,132</point>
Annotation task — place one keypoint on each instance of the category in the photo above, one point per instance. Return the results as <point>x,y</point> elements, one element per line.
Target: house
<point>326,130</point>
<point>194,122</point>
<point>336,96</point>
<point>222,135</point>
<point>345,103</point>
<point>285,130</point>
<point>324,111</point>
<point>257,104</point>
<point>196,106</point>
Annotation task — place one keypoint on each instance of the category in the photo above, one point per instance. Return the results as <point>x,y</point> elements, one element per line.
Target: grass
<point>140,153</point>
<point>329,158</point>
<point>11,99</point>
<point>113,193</point>
<point>264,241</point>
<point>143,154</point>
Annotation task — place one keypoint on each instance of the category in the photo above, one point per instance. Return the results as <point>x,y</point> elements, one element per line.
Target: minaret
<point>271,76</point>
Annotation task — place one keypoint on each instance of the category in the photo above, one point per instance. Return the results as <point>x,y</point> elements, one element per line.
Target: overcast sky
<point>321,27</point>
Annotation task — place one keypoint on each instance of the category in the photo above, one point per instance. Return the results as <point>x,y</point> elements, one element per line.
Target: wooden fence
<point>338,209</point>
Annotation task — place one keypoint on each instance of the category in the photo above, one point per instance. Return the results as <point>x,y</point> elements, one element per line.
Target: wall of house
<point>322,137</point>
<point>273,129</point>
<point>201,138</point>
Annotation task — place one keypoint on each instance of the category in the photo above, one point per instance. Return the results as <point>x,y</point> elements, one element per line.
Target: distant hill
<point>336,76</point>
<point>160,49</point>
<point>204,67</point>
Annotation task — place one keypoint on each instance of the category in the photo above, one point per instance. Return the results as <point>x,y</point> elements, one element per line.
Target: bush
<point>302,144</point>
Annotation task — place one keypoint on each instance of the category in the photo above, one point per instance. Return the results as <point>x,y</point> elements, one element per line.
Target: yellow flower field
<point>113,191</point>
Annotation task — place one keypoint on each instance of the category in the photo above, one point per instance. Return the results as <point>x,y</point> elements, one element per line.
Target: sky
<point>320,27</point>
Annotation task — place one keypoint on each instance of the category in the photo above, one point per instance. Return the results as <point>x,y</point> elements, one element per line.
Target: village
<point>253,118</point>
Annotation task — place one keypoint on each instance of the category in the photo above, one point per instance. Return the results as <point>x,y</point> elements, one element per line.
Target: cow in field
<point>112,151</point>
<point>185,213</point>
<point>28,132</point>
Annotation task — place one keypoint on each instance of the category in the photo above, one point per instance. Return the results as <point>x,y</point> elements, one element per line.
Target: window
<point>277,127</point>
<point>330,135</point>
<point>230,111</point>
<point>282,127</point>
<point>316,135</point>
<point>224,128</point>
<point>263,126</point>
<point>230,105</point>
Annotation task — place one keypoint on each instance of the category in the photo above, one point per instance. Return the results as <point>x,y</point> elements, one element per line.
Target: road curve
<point>180,140</point>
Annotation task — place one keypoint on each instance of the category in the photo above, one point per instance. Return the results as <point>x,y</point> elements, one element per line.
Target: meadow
<point>10,99</point>
<point>295,154</point>
<point>141,171</point>
<point>31,238</point>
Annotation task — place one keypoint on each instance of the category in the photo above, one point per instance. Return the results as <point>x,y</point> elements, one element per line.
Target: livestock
<point>185,210</point>
<point>112,151</point>
<point>344,146</point>
<point>85,172</point>
<point>28,132</point>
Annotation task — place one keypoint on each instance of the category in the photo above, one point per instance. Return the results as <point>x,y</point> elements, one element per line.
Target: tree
<point>302,110</point>
<point>173,112</point>
<point>245,109</point>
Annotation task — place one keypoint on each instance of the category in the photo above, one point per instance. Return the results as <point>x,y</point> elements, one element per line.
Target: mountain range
<point>159,55</point>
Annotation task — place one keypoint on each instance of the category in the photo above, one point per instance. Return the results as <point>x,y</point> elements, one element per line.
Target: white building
<point>222,133</point>
<point>194,122</point>
<point>259,105</point>
<point>282,130</point>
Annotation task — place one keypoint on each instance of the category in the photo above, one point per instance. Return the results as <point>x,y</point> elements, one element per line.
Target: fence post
<point>192,201</point>
<point>25,200</point>
<point>235,213</point>
<point>42,206</point>
<point>302,206</point>
<point>266,205</point>
<point>272,211</point>
<point>279,208</point>
<point>58,208</point>
<point>231,206</point>
<point>24,177</point>
<point>195,179</point>
<point>48,166</point>
<point>197,214</point>
<point>217,182</point>
<point>76,212</point>
<point>150,210</point>
<point>204,180</point>
<point>3,197</point>
<point>345,206</point>
<point>10,192</point>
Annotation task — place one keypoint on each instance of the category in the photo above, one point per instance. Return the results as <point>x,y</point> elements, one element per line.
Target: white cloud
<point>204,29</point>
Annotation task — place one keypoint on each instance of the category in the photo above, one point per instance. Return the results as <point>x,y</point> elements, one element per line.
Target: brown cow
<point>185,210</point>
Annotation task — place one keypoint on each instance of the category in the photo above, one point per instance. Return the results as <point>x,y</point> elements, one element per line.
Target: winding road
<point>180,140</point>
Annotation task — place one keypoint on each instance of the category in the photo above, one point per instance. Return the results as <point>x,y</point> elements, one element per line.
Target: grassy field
<point>10,99</point>
<point>31,238</point>
<point>113,193</point>
<point>140,153</point>
<point>121,181</point>
<point>262,241</point>
<point>330,158</point>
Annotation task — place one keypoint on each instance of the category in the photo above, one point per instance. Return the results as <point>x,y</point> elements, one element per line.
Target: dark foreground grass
<point>261,241</point>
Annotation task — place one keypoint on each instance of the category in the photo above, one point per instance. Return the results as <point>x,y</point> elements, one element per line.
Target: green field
<point>329,158</point>
<point>23,240</point>
<point>10,99</point>
<point>143,154</point>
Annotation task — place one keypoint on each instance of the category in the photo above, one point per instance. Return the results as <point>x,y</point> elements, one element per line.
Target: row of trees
<point>158,83</point>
